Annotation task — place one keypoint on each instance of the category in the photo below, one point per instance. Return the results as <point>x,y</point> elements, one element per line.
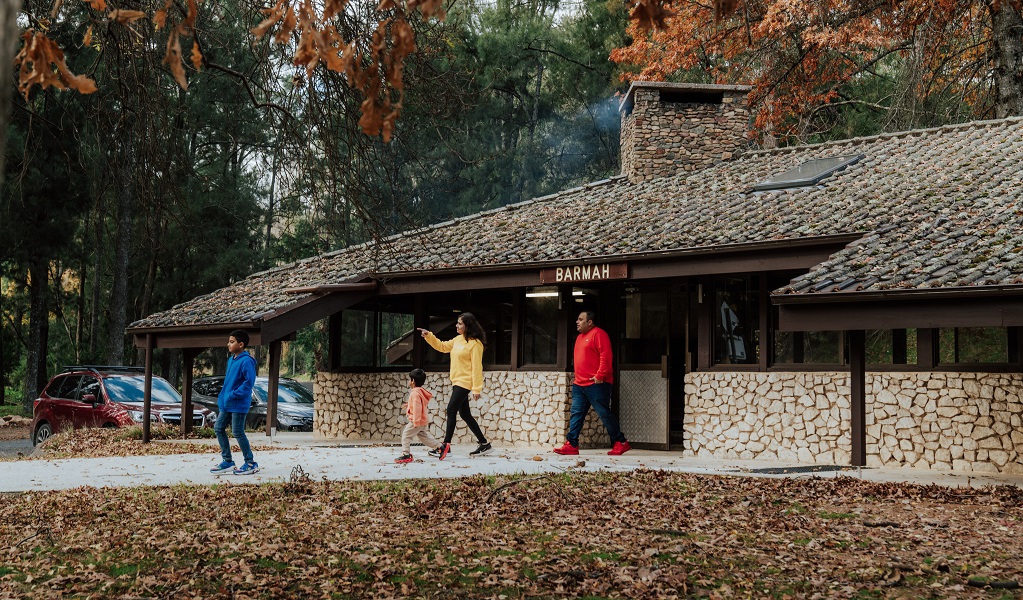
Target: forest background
<point>123,202</point>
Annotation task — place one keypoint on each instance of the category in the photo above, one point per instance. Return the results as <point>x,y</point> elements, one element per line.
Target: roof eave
<point>802,242</point>
<point>898,294</point>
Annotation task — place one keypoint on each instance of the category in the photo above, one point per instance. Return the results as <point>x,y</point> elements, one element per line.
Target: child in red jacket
<point>418,419</point>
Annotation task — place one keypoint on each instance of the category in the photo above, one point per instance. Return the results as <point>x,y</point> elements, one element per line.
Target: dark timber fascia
<point>900,310</point>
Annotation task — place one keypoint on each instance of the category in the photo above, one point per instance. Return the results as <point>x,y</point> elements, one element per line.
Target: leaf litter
<point>645,534</point>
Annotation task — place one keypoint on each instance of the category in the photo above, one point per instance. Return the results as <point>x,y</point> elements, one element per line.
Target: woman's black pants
<point>458,405</point>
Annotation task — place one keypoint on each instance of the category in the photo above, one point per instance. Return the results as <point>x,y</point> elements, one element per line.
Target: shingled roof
<point>938,208</point>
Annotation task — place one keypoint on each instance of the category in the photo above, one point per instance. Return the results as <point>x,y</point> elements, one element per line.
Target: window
<point>540,326</point>
<point>132,388</point>
<point>644,332</point>
<point>808,173</point>
<point>394,342</point>
<point>356,344</point>
<point>492,308</point>
<point>91,385</point>
<point>808,347</point>
<point>973,345</point>
<point>736,321</point>
<point>65,387</point>
<point>891,346</point>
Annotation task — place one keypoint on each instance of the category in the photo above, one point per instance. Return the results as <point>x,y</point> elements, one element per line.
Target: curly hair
<point>473,329</point>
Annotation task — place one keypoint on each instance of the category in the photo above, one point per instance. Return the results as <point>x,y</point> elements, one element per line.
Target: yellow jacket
<point>466,360</point>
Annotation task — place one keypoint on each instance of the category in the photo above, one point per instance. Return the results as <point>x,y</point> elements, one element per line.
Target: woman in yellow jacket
<point>466,351</point>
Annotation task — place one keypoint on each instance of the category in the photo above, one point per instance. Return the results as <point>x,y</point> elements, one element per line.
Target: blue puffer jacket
<point>236,395</point>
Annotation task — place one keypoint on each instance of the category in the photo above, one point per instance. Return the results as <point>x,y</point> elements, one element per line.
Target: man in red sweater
<point>592,386</point>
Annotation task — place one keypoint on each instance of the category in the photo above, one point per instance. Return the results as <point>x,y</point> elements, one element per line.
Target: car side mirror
<point>90,399</point>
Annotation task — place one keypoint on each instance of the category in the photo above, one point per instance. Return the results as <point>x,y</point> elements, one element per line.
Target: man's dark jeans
<point>598,396</point>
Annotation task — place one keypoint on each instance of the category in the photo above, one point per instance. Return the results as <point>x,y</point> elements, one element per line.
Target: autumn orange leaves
<point>371,64</point>
<point>38,53</point>
<point>374,67</point>
<point>41,62</point>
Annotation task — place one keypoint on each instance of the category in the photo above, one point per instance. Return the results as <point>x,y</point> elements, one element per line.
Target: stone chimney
<point>673,127</point>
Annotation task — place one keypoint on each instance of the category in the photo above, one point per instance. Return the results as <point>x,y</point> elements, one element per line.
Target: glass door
<point>643,367</point>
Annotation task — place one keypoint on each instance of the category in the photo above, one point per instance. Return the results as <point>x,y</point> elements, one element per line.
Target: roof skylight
<point>809,173</point>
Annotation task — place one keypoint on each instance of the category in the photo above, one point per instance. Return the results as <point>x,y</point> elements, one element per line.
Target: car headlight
<point>137,416</point>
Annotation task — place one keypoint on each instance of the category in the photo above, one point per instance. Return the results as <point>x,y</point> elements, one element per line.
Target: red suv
<point>101,396</point>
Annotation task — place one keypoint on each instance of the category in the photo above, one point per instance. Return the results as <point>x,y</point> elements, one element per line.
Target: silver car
<point>294,402</point>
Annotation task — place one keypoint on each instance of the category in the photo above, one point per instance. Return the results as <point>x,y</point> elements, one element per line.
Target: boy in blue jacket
<point>233,403</point>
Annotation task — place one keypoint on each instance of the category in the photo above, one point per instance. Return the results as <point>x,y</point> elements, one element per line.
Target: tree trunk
<point>122,258</point>
<point>1007,39</point>
<point>97,281</point>
<point>8,44</point>
<point>38,330</point>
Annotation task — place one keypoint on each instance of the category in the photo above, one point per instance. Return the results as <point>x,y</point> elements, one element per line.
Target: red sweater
<point>593,357</point>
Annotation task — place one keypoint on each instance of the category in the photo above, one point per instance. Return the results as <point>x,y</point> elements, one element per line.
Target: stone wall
<point>800,417</point>
<point>518,408</point>
<point>660,139</point>
<point>957,421</point>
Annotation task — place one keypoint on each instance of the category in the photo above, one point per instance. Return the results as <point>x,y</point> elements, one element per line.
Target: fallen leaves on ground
<point>100,442</point>
<point>645,534</point>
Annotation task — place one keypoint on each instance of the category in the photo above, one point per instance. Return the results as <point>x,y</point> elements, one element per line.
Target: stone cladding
<point>939,420</point>
<point>518,408</point>
<point>663,138</point>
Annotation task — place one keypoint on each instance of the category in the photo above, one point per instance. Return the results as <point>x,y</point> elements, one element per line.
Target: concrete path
<point>375,461</point>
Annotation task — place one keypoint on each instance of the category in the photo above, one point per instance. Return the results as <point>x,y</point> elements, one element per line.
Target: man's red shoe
<point>568,449</point>
<point>619,449</point>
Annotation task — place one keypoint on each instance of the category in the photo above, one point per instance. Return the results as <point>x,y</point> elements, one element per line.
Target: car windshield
<point>290,392</point>
<point>131,388</point>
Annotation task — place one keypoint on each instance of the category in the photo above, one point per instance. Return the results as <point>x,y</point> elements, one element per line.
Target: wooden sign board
<point>585,273</point>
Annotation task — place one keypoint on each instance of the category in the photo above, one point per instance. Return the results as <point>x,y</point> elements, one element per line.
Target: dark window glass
<point>443,326</point>
<point>540,326</point>
<point>293,392</point>
<point>493,309</point>
<point>891,347</point>
<point>736,321</point>
<point>394,342</point>
<point>64,387</point>
<point>644,333</point>
<point>288,392</point>
<point>356,344</point>
<point>502,338</point>
<point>90,385</point>
<point>974,345</point>
<point>131,388</point>
<point>208,387</point>
<point>822,347</point>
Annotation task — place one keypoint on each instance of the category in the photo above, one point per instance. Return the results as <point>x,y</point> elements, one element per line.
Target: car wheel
<point>43,433</point>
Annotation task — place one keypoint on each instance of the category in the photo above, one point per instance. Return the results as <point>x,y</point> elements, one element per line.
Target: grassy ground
<point>647,534</point>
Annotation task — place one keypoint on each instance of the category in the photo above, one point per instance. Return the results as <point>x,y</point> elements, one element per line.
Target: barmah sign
<point>583,273</point>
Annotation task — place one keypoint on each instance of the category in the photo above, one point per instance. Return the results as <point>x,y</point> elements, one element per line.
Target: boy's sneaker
<point>247,469</point>
<point>223,467</point>
<point>436,451</point>
<point>568,449</point>
<point>619,449</point>
<point>404,458</point>
<point>483,448</point>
